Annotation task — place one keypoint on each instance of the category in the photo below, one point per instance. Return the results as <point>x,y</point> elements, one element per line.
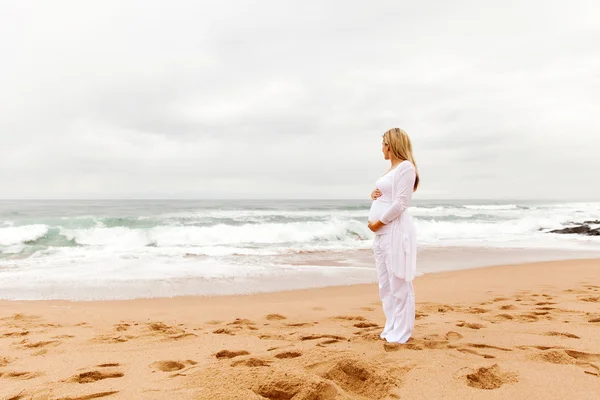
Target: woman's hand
<point>375,194</point>
<point>375,225</point>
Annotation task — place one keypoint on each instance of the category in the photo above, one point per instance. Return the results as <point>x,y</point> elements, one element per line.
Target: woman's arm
<point>404,182</point>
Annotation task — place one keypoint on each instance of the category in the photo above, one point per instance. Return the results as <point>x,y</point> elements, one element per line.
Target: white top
<point>403,232</point>
<point>383,203</point>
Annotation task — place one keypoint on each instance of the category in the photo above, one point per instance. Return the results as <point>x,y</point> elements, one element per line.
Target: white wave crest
<point>260,215</point>
<point>248,234</point>
<point>13,235</point>
<point>493,207</point>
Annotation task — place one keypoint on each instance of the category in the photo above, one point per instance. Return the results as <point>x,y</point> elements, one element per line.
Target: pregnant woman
<point>395,242</point>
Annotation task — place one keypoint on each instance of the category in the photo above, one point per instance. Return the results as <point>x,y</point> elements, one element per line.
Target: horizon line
<point>288,199</point>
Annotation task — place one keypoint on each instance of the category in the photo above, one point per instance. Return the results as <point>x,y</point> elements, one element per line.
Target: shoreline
<point>293,293</point>
<point>303,271</point>
<point>519,331</point>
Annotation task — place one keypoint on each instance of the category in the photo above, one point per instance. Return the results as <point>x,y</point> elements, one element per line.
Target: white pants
<point>397,295</point>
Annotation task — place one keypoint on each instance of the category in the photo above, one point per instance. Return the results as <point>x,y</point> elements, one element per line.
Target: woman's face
<point>385,149</point>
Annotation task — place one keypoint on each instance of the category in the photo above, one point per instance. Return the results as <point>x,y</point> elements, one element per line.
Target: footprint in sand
<point>251,362</point>
<point>471,351</point>
<point>275,317</point>
<point>272,337</point>
<point>361,377</point>
<point>4,362</point>
<point>543,348</point>
<point>420,315</point>
<point>565,334</point>
<point>326,343</point>
<point>470,325</point>
<point>431,343</point>
<point>592,288</point>
<point>171,366</point>
<point>365,325</point>
<point>169,332</point>
<point>224,331</point>
<point>317,337</point>
<point>516,317</point>
<point>530,317</point>
<point>580,355</point>
<point>122,327</point>
<point>15,334</point>
<point>346,377</point>
<point>594,320</point>
<point>541,314</point>
<point>227,354</point>
<point>490,378</point>
<point>300,325</point>
<point>90,396</point>
<point>366,335</point>
<point>390,347</point>
<point>63,337</point>
<point>241,322</point>
<point>557,355</point>
<point>181,336</point>
<point>158,327</point>
<point>20,375</point>
<point>288,354</point>
<point>453,336</point>
<point>37,345</point>
<point>95,376</point>
<point>281,386</point>
<point>112,339</point>
<point>487,346</point>
<point>477,310</point>
<point>349,318</point>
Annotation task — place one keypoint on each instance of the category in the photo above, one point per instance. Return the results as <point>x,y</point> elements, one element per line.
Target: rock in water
<point>581,229</point>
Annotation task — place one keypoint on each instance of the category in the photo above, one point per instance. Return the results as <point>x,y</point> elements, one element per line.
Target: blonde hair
<point>401,148</point>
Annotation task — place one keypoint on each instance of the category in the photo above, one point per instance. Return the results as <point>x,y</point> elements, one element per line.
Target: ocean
<point>89,250</point>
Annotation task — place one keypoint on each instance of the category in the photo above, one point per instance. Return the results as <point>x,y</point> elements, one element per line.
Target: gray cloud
<point>289,99</point>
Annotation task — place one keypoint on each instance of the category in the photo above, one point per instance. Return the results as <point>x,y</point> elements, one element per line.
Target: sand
<point>527,331</point>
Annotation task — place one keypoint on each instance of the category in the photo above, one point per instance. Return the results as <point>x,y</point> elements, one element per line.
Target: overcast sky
<point>289,99</point>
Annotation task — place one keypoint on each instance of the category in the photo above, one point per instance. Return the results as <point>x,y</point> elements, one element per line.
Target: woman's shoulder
<point>405,166</point>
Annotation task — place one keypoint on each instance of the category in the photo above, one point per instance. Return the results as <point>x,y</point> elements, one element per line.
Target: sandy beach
<point>529,331</point>
<point>199,200</point>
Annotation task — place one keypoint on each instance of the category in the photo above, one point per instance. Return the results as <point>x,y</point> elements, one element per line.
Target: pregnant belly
<point>378,208</point>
